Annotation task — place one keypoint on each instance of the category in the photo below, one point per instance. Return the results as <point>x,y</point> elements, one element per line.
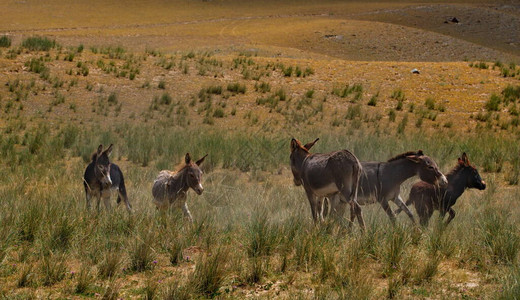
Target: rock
<point>415,71</point>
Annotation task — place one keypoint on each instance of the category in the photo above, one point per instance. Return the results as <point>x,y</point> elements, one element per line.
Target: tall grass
<point>209,273</point>
<point>251,229</point>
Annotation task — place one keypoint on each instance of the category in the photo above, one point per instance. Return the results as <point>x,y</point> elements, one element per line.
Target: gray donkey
<point>381,181</point>
<point>170,188</point>
<point>323,175</point>
<point>101,177</point>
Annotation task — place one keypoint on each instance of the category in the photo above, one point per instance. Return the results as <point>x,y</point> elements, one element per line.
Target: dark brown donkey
<point>170,188</point>
<point>101,177</point>
<point>381,181</point>
<point>427,197</point>
<point>323,175</point>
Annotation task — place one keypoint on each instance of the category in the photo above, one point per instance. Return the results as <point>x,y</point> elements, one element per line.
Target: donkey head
<point>194,173</point>
<point>298,154</point>
<point>471,174</point>
<point>102,165</point>
<point>427,169</point>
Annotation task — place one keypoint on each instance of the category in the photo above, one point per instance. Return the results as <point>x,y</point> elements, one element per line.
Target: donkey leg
<point>352,215</point>
<point>337,207</point>
<point>451,216</point>
<point>356,208</point>
<point>186,212</point>
<point>425,212</point>
<point>314,207</point>
<point>122,195</point>
<point>106,199</point>
<point>98,198</point>
<point>388,210</point>
<point>325,207</point>
<point>399,201</point>
<point>89,198</point>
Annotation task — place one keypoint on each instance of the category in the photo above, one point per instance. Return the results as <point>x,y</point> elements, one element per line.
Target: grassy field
<point>237,81</point>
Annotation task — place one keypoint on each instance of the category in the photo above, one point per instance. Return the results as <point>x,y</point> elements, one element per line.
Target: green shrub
<point>162,84</point>
<point>373,100</point>
<point>112,98</point>
<point>218,113</point>
<point>237,88</point>
<point>511,94</point>
<point>429,103</point>
<point>263,87</point>
<point>493,104</point>
<point>38,43</point>
<point>166,99</point>
<point>5,41</point>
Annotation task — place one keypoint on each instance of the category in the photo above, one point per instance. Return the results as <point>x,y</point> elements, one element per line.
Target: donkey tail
<point>356,177</point>
<point>122,195</point>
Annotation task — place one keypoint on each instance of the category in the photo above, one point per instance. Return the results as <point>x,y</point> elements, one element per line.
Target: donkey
<point>427,197</point>
<point>101,177</point>
<point>381,181</point>
<point>171,187</point>
<point>323,175</point>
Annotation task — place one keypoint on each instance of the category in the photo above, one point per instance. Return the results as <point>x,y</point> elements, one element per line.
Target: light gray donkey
<point>381,181</point>
<point>323,175</point>
<point>170,188</point>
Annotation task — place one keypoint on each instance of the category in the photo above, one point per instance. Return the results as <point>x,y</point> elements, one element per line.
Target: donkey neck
<point>399,170</point>
<point>299,158</point>
<point>456,182</point>
<point>179,183</point>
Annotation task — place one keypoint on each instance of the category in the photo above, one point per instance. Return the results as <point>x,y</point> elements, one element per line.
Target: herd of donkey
<point>331,181</point>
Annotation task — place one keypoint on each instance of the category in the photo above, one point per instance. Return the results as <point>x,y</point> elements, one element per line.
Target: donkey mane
<point>404,155</point>
<point>455,170</point>
<point>180,167</point>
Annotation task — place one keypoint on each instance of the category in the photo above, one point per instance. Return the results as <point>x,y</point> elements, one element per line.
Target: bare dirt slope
<point>349,30</point>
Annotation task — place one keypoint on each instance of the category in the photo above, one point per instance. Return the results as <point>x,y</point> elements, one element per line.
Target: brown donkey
<point>101,177</point>
<point>323,175</point>
<point>427,197</point>
<point>170,188</point>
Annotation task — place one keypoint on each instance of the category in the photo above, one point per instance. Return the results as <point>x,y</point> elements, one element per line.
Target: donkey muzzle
<point>199,189</point>
<point>443,181</point>
<point>106,182</point>
<point>482,185</point>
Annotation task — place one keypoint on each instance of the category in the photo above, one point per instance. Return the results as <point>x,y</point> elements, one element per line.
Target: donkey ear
<point>308,146</point>
<point>99,149</point>
<point>198,162</point>
<point>413,158</point>
<point>187,158</point>
<point>294,144</point>
<point>109,149</point>
<point>465,159</point>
